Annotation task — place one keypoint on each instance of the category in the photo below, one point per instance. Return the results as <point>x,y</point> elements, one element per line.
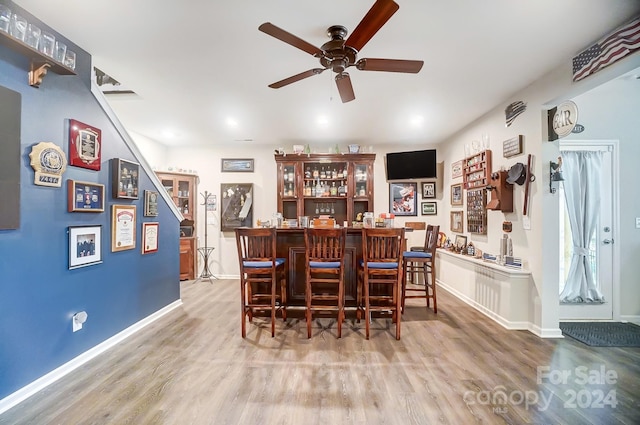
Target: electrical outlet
<point>526,222</point>
<point>76,325</point>
<point>78,319</point>
<point>637,222</point>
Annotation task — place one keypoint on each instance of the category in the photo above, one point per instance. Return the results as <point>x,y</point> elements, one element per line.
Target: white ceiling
<point>196,63</point>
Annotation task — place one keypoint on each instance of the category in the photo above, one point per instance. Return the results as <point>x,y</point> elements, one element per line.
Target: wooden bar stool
<point>260,273</point>
<point>324,255</point>
<point>422,262</point>
<point>380,269</point>
<point>414,226</point>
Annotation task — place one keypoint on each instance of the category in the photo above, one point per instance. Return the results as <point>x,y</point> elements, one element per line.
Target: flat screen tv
<point>411,165</point>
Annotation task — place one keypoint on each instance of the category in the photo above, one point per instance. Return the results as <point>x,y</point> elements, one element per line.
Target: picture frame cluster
<point>85,242</point>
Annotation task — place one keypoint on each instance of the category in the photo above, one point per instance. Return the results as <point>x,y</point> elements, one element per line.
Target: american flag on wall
<point>620,43</point>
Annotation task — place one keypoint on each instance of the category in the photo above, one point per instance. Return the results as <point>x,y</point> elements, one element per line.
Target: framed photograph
<point>85,196</point>
<point>150,237</point>
<point>85,246</point>
<point>456,194</point>
<point>429,208</point>
<point>150,203</point>
<point>456,169</point>
<point>123,227</point>
<point>460,242</point>
<point>403,199</point>
<point>236,206</point>
<point>457,221</point>
<point>429,190</point>
<point>85,145</point>
<point>230,165</point>
<point>124,179</point>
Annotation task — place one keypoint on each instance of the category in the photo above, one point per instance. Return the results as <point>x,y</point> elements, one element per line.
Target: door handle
<point>607,241</point>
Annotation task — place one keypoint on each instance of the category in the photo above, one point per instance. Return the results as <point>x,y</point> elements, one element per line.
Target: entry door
<point>601,247</point>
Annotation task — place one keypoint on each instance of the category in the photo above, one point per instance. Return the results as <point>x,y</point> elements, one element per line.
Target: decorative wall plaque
<point>512,147</point>
<point>49,162</point>
<point>84,145</point>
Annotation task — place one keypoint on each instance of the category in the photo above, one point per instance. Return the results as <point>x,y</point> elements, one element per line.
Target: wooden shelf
<point>34,55</point>
<point>40,63</point>
<point>477,170</point>
<point>296,184</point>
<point>476,211</point>
<point>183,189</point>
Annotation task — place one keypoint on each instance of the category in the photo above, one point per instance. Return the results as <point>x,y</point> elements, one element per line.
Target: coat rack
<point>206,251</point>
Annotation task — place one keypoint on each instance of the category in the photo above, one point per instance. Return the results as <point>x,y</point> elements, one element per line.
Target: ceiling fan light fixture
<point>339,54</point>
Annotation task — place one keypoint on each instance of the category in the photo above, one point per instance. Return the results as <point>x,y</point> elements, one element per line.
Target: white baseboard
<point>629,318</point>
<point>482,309</point>
<point>546,333</point>
<point>51,377</point>
<point>536,330</point>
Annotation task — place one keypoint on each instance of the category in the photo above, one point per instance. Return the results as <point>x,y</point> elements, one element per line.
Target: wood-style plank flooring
<point>456,367</point>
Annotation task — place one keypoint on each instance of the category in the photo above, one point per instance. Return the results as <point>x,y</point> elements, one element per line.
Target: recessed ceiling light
<point>416,120</point>
<point>323,120</point>
<point>231,122</point>
<point>169,134</point>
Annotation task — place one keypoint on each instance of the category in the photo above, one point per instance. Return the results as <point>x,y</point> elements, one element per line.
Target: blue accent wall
<point>38,293</point>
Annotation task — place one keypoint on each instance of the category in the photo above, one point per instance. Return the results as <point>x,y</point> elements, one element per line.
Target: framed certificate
<point>123,227</point>
<point>85,196</point>
<point>150,237</point>
<point>85,145</point>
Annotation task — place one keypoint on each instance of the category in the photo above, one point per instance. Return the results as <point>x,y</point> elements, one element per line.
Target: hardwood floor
<point>193,367</point>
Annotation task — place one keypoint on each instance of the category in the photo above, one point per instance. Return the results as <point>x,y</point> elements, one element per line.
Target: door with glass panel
<point>587,211</point>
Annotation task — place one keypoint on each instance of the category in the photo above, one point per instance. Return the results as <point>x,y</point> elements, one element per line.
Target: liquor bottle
<point>315,172</point>
<point>334,173</point>
<point>334,189</point>
<point>323,174</point>
<point>307,173</point>
<point>342,190</point>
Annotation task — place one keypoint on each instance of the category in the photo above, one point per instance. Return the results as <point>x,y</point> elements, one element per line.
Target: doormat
<point>603,334</point>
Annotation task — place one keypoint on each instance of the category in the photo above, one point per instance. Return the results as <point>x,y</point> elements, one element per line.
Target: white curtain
<point>581,171</point>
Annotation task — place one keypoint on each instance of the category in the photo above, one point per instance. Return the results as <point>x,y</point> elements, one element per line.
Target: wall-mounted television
<point>411,165</point>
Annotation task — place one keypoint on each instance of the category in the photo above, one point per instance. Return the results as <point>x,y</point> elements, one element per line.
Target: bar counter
<point>290,245</point>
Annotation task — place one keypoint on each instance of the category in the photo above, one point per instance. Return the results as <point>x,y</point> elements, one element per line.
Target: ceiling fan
<point>339,54</point>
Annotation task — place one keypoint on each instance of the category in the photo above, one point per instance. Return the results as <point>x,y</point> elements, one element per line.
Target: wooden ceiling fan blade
<point>345,88</point>
<point>390,65</point>
<point>282,35</point>
<point>376,17</point>
<point>297,77</point>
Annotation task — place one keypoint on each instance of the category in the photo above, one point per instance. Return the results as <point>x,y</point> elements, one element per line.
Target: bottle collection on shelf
<point>325,182</point>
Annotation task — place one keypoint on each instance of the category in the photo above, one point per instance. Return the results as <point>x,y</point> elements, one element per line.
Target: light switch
<point>637,222</point>
<point>526,222</point>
